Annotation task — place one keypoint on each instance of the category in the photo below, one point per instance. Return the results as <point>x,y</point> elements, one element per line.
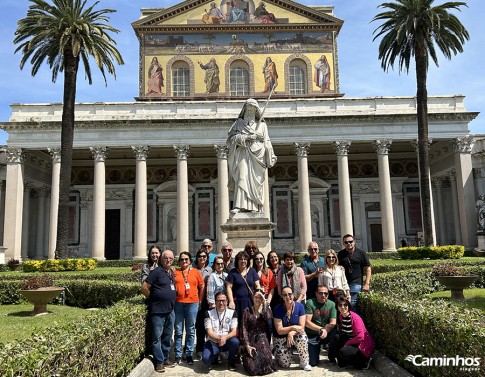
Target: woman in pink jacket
<point>354,341</point>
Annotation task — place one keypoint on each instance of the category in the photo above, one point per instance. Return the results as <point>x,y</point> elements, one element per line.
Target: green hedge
<point>120,262</point>
<point>107,343</point>
<point>376,268</point>
<point>404,322</point>
<point>53,265</point>
<point>382,255</point>
<point>431,252</point>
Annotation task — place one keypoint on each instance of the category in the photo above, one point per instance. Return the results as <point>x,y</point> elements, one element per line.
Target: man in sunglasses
<point>226,254</point>
<point>320,325</point>
<point>357,268</point>
<point>207,245</point>
<point>312,265</point>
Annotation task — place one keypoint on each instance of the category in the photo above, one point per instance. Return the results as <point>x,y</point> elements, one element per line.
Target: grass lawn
<point>474,298</point>
<point>16,321</point>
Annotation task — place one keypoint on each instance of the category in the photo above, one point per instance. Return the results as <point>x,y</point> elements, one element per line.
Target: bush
<point>431,252</point>
<point>377,269</point>
<point>53,265</point>
<point>383,255</point>
<point>120,263</point>
<point>107,343</point>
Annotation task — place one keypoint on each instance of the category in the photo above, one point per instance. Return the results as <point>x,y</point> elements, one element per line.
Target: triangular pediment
<point>230,13</point>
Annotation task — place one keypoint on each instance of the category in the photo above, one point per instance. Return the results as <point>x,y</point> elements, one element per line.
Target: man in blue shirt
<point>312,265</point>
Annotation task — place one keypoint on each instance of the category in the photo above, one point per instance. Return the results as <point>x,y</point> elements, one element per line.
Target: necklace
<point>289,313</point>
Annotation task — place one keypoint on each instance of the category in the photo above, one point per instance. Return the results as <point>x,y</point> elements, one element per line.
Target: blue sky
<point>360,72</point>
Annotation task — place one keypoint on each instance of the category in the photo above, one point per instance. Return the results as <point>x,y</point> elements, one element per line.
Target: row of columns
<point>17,205</point>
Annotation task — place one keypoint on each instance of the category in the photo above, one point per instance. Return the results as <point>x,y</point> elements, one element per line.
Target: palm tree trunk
<point>423,146</point>
<point>71,64</point>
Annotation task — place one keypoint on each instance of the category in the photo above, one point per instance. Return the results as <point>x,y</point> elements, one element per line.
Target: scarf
<point>290,278</point>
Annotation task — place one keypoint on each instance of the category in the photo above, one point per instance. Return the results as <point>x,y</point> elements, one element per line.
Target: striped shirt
<point>346,327</point>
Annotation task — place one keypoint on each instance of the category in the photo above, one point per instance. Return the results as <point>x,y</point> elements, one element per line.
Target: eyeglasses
<point>258,258</point>
<point>323,293</point>
<point>331,257</point>
<point>226,249</point>
<point>220,264</point>
<point>287,294</point>
<point>209,246</point>
<point>184,259</point>
<point>313,249</point>
<point>348,242</point>
<point>343,306</point>
<point>202,256</point>
<point>221,301</point>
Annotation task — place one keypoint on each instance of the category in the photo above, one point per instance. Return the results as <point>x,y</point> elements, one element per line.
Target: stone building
<point>155,170</point>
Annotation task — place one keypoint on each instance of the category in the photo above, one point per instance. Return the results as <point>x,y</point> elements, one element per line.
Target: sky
<point>361,74</point>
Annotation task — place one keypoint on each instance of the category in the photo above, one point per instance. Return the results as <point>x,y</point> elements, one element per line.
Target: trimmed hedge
<point>431,252</point>
<point>120,262</point>
<point>376,269</point>
<point>53,265</point>
<point>404,322</point>
<point>106,343</point>
<point>382,255</point>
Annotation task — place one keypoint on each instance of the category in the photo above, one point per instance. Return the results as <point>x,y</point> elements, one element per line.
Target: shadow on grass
<point>23,313</point>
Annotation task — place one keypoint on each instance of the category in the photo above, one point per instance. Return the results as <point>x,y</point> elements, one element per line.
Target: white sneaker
<point>306,367</point>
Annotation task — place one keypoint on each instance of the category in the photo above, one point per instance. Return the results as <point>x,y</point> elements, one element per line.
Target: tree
<point>63,34</point>
<point>413,28</point>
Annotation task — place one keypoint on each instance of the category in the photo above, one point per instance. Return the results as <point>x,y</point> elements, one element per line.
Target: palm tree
<point>64,33</point>
<point>413,28</point>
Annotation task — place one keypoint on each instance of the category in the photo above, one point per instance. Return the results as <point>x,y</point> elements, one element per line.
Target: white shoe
<point>306,367</point>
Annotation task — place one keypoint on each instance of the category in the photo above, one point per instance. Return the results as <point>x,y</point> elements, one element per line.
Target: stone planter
<point>41,297</point>
<point>456,284</point>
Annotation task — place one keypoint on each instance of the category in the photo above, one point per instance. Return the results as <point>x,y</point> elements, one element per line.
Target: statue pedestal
<point>243,227</point>
<point>480,250</point>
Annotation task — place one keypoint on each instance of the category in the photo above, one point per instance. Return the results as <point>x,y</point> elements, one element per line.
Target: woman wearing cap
<point>256,349</point>
<point>333,276</point>
<point>250,154</point>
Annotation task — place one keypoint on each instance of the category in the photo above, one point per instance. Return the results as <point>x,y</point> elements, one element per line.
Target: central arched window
<point>298,79</point>
<point>180,79</point>
<point>239,79</point>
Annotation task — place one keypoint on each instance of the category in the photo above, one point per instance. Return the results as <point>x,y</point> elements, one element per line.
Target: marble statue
<point>480,207</point>
<point>250,154</point>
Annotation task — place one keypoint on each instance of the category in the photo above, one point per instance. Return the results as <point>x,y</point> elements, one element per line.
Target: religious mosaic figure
<point>213,16</point>
<point>322,74</point>
<point>264,16</point>
<point>250,154</point>
<point>237,10</point>
<point>155,77</point>
<point>270,75</point>
<point>211,78</point>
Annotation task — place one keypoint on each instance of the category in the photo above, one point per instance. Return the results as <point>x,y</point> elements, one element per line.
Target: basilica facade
<point>155,170</point>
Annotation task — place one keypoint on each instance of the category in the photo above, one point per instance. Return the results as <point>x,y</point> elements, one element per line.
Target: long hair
<point>264,269</point>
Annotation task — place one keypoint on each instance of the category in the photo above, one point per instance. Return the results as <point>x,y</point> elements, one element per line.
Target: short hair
<point>202,251</point>
<point>348,235</point>
<point>208,241</point>
<point>186,253</point>
<point>268,261</point>
<point>219,293</point>
<point>289,254</point>
<point>311,243</point>
<point>225,244</point>
<point>241,254</point>
<point>321,286</point>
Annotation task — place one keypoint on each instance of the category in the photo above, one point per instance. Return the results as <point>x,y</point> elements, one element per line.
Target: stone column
<point>345,204</point>
<point>414,143</point>
<point>25,221</point>
<point>223,191</point>
<point>442,239</point>
<point>465,190</point>
<point>382,148</point>
<point>140,247</point>
<point>99,203</point>
<point>456,211</point>
<point>39,240</point>
<point>14,196</point>
<point>304,209</point>
<point>182,153</point>
<point>56,171</point>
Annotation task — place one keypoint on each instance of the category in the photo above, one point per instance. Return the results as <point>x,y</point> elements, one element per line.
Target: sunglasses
<point>313,249</point>
<point>348,242</point>
<point>258,258</point>
<point>342,305</point>
<point>209,246</point>
<point>184,259</point>
<point>323,293</point>
<point>287,294</point>
<point>220,264</point>
<point>226,249</point>
<point>202,256</point>
<point>329,257</point>
<point>221,301</point>
<point>251,248</point>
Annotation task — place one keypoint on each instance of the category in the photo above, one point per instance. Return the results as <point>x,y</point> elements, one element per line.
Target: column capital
<point>55,153</point>
<point>341,147</point>
<point>140,151</point>
<point>42,191</point>
<point>414,143</point>
<point>382,146</point>
<point>182,151</point>
<point>14,155</point>
<point>452,175</point>
<point>463,144</point>
<point>99,153</point>
<point>28,186</point>
<point>301,149</point>
<point>438,181</point>
<point>221,150</point>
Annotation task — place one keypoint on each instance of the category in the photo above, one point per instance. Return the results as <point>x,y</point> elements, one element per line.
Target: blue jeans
<point>162,330</point>
<point>355,289</point>
<point>212,350</point>
<point>314,344</point>
<point>185,314</point>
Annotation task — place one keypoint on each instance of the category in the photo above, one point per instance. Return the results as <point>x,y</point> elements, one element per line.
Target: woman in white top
<point>333,275</point>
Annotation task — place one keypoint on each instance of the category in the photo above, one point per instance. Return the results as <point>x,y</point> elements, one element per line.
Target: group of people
<point>257,309</point>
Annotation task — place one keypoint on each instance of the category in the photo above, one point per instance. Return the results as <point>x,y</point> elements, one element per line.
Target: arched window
<point>180,79</point>
<point>298,79</point>
<point>239,78</point>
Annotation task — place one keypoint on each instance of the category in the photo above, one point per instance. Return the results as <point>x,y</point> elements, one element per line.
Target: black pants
<point>199,327</point>
<point>349,355</point>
